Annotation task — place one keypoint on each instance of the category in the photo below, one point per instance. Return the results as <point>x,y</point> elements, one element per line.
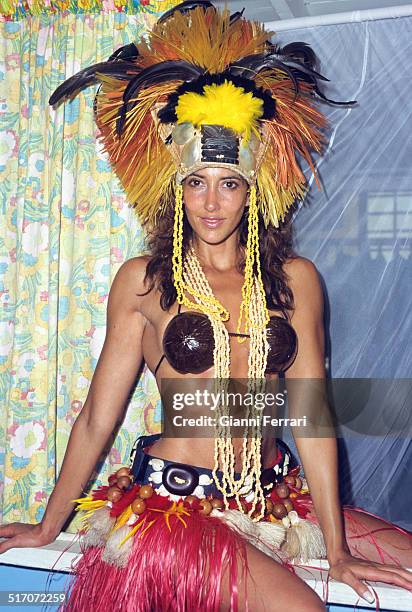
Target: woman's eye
<point>194,183</point>
<point>231,184</point>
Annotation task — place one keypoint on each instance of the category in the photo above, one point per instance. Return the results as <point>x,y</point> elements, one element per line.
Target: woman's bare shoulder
<point>135,266</point>
<point>301,271</point>
<point>129,281</point>
<point>304,281</point>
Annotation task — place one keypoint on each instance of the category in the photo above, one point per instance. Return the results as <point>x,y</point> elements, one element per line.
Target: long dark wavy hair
<point>275,248</point>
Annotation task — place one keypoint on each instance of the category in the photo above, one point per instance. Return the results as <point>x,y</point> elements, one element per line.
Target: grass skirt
<point>146,549</point>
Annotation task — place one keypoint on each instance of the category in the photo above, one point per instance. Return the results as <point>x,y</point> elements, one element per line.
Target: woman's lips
<point>212,223</point>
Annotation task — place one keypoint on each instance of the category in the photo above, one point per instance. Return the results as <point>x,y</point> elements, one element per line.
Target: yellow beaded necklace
<point>189,278</point>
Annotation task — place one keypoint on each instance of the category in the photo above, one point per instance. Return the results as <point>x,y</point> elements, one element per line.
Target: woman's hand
<point>24,535</point>
<point>354,571</point>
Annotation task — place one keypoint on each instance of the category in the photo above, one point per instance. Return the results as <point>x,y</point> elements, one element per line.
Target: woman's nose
<point>212,200</point>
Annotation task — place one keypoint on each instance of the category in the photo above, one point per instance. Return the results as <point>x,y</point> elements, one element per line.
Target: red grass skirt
<point>172,557</point>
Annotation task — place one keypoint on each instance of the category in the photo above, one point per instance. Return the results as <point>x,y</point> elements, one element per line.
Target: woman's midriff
<point>198,447</point>
<point>200,451</point>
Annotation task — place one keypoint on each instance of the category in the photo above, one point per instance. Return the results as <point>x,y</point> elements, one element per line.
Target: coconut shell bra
<point>188,343</point>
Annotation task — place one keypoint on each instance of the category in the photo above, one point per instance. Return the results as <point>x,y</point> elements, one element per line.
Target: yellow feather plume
<point>223,104</point>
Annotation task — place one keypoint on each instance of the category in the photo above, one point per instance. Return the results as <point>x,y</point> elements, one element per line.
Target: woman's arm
<point>115,373</point>
<point>307,396</point>
<point>306,386</point>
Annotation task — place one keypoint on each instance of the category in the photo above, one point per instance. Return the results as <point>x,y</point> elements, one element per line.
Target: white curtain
<point>357,230</point>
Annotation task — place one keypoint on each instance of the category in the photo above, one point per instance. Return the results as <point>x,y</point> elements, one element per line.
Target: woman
<point>203,137</point>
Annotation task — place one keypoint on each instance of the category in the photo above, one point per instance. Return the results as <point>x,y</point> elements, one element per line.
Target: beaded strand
<point>189,277</point>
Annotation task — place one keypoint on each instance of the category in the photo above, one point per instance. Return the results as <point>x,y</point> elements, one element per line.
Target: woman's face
<point>214,199</point>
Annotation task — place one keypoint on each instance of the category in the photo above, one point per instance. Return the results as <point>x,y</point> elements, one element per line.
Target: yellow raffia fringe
<point>132,532</point>
<point>88,503</point>
<point>223,104</point>
<point>176,509</point>
<point>141,534</point>
<point>123,518</point>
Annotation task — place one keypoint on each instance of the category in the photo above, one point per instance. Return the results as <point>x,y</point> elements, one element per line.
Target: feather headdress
<point>158,97</point>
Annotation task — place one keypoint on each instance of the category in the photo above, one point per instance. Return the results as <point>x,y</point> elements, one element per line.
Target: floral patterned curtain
<point>65,228</point>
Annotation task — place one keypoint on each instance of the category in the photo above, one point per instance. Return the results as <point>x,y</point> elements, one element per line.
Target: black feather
<point>185,7</point>
<point>236,16</point>
<point>128,52</point>
<point>334,102</point>
<point>170,70</point>
<point>287,59</point>
<point>306,73</point>
<point>88,76</point>
<point>300,51</point>
<point>260,61</point>
<point>250,66</point>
